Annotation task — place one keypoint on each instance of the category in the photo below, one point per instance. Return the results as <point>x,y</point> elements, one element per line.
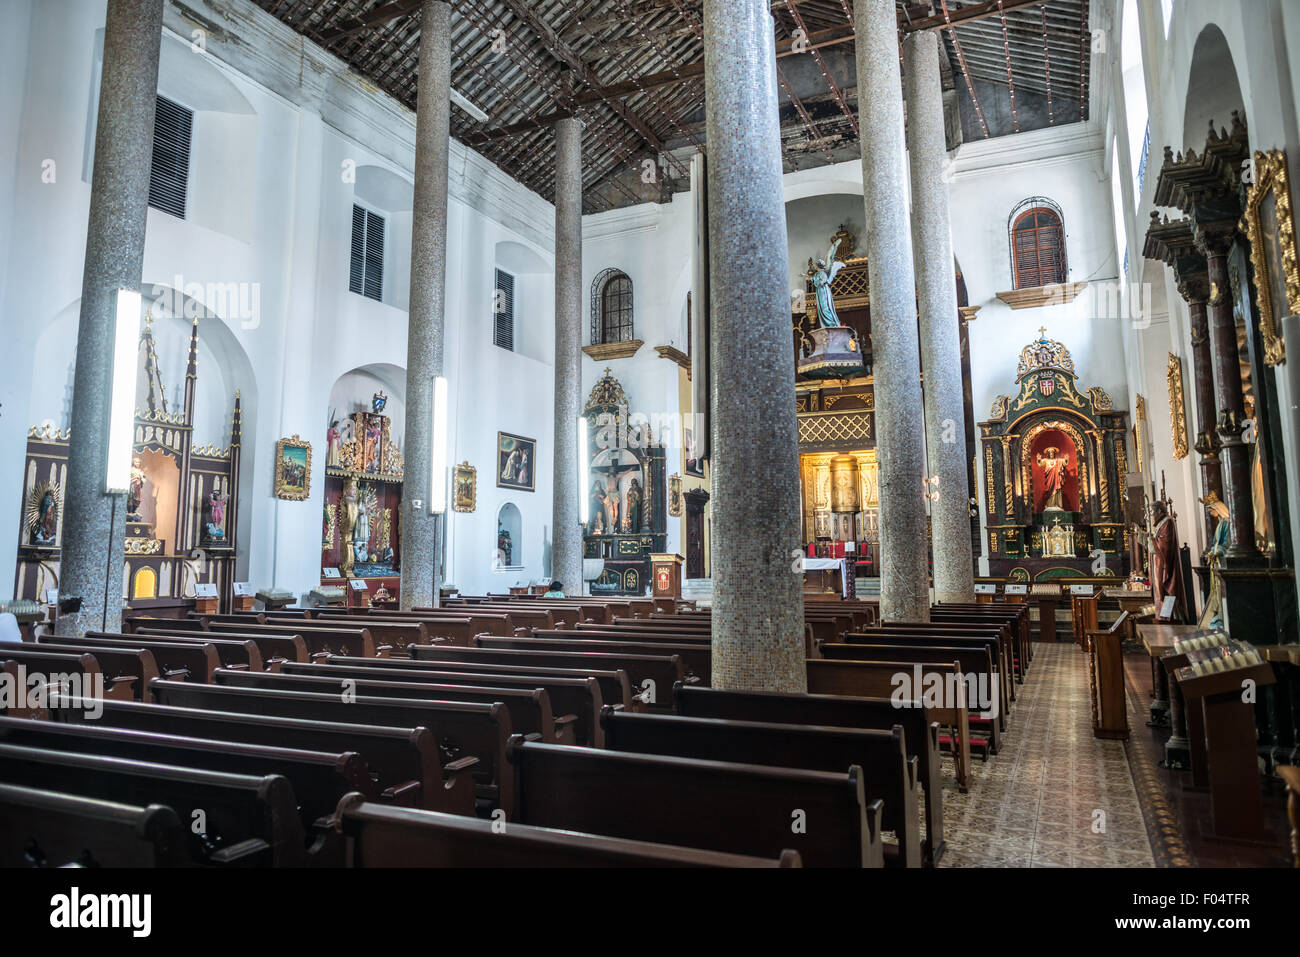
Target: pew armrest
<point>566,731</point>
<point>874,850</point>
<point>384,651</point>
<point>176,674</point>
<point>244,854</point>
<point>121,688</point>
<point>403,795</point>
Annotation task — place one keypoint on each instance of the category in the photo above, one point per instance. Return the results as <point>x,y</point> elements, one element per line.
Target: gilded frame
<point>283,486</point>
<point>1177,411</point>
<point>1270,254</point>
<point>464,476</point>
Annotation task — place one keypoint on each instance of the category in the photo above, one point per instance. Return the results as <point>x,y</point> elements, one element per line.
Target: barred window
<point>611,308</point>
<point>503,311</point>
<point>1037,244</point>
<point>366,277</point>
<point>169,177</point>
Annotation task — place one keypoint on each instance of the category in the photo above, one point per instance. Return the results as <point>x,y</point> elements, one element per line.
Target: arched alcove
<point>810,223</point>
<point>1213,90</point>
<point>510,537</point>
<point>390,196</point>
<point>532,305</point>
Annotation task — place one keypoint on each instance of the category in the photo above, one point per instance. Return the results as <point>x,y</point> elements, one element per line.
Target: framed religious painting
<point>675,495</point>
<point>516,460</point>
<point>292,469</point>
<point>464,487</point>
<point>1270,224</point>
<point>694,465</point>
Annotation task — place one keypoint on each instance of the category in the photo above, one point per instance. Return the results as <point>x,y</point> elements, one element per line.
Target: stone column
<point>94,522</point>
<point>1229,401</point>
<point>758,641</point>
<point>936,290</point>
<point>900,443</point>
<point>566,548</point>
<point>1195,291</point>
<point>424,331</point>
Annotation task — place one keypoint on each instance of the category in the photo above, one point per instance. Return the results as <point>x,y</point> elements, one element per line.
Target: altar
<point>827,576</point>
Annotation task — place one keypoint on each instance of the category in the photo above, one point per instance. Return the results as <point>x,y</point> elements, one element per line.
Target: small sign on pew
<point>330,573</point>
<point>243,596</point>
<point>1012,589</point>
<point>986,589</point>
<point>205,598</point>
<point>1081,589</point>
<point>360,593</point>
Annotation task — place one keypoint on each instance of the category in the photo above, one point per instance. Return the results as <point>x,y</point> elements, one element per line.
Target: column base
<point>1178,754</point>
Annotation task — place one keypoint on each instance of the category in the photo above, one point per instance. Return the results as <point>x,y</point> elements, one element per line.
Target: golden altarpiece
<point>182,506</point>
<point>1055,463</point>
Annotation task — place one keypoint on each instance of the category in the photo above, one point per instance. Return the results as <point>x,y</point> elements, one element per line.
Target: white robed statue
<point>822,277</point>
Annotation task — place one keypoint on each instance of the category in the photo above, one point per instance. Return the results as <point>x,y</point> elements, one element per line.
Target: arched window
<point>611,308</point>
<point>1037,236</point>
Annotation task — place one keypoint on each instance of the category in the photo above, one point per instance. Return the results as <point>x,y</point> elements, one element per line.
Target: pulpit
<point>666,570</point>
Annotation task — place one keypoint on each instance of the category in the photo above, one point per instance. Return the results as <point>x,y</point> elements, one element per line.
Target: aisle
<point>1055,796</point>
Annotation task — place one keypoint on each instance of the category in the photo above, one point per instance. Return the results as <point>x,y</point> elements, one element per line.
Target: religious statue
<point>504,546</point>
<point>43,515</point>
<point>822,277</point>
<point>1053,462</point>
<point>632,516</point>
<point>135,492</point>
<point>1212,615</point>
<point>347,526</point>
<point>216,515</point>
<point>1162,553</point>
<point>610,498</point>
<point>361,537</point>
<point>333,439</point>
<point>370,457</point>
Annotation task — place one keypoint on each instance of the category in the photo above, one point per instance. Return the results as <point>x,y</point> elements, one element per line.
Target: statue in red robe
<point>1053,462</point>
<point>1162,555</point>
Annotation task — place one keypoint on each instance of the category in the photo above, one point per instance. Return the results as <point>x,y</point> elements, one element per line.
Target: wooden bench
<point>697,656</point>
<point>920,733</point>
<point>463,729</point>
<point>40,828</point>
<point>396,634</point>
<point>319,779</point>
<point>661,671</point>
<point>576,697</point>
<point>188,655</point>
<point>404,761</point>
<point>530,708</point>
<point>137,663</point>
<point>382,836</point>
<point>876,679</point>
<point>320,639</point>
<point>273,648</point>
<point>50,666</point>
<point>715,805</point>
<point>435,629</point>
<point>888,773</point>
<point>248,821</point>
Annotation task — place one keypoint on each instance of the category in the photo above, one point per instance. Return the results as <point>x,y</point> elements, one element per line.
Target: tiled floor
<point>1054,796</point>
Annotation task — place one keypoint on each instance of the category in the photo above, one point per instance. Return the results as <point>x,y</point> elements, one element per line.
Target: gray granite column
<point>94,522</point>
<point>936,290</point>
<point>566,548</point>
<point>758,641</point>
<point>900,444</point>
<point>424,331</point>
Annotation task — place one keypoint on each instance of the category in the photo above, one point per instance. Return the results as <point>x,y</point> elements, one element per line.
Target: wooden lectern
<point>666,570</point>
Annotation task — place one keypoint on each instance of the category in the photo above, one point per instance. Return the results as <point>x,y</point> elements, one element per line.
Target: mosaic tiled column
<point>566,550</point>
<point>1195,292</point>
<point>424,331</point>
<point>900,443</point>
<point>94,522</point>
<point>758,639</point>
<point>1229,401</point>
<point>936,290</point>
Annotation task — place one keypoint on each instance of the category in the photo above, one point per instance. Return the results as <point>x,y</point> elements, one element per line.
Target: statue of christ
<point>1053,462</point>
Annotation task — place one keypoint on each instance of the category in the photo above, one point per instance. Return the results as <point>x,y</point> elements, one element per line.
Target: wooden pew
<point>615,687</point>
<point>697,656</point>
<point>662,671</point>
<point>251,821</point>
<point>397,634</point>
<point>190,660</point>
<point>137,663</point>
<point>40,828</point>
<point>319,779</point>
<point>974,662</point>
<point>437,629</point>
<point>320,639</point>
<point>463,729</point>
<point>875,679</point>
<point>190,655</point>
<point>405,761</point>
<point>997,637</point>
<point>920,733</point>
<point>1015,616</point>
<point>888,773</point>
<point>530,708</point>
<point>578,697</point>
<point>273,648</point>
<point>49,665</point>
<point>720,806</point>
<point>380,836</point>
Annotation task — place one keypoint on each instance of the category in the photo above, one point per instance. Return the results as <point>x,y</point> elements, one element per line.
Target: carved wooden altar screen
<point>1054,463</point>
<point>182,507</point>
<point>628,500</point>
